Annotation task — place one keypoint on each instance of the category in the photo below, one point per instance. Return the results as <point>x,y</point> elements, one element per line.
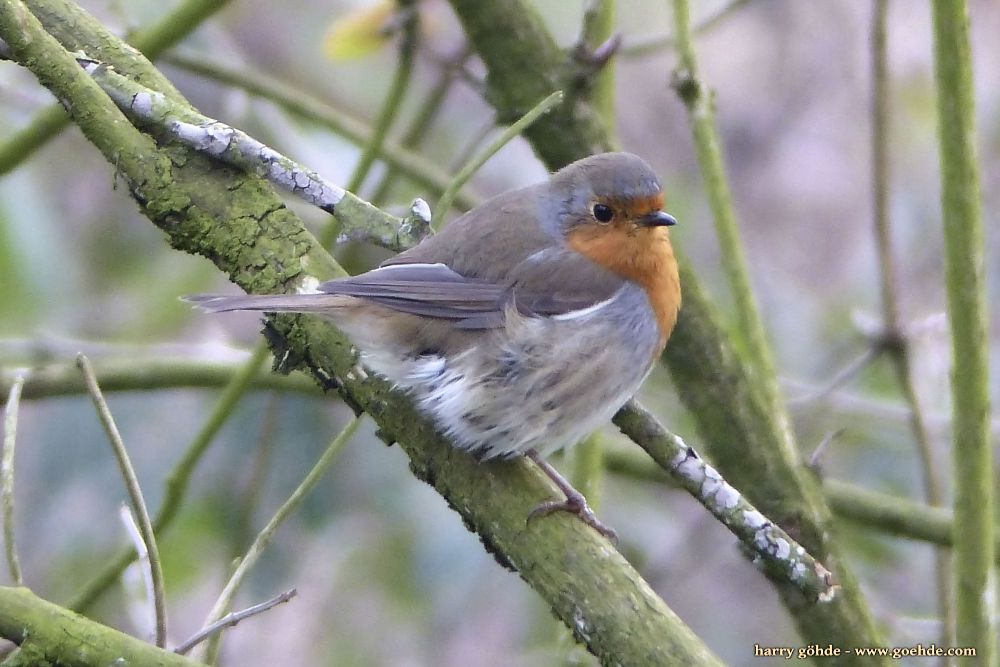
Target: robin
<point>526,323</point>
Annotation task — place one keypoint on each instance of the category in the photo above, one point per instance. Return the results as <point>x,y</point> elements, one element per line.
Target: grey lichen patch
<point>773,549</point>
<point>581,627</point>
<point>213,138</point>
<point>420,211</point>
<point>143,102</point>
<point>754,519</point>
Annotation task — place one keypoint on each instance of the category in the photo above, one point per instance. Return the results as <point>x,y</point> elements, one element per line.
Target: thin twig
<point>251,490</point>
<point>468,149</point>
<point>132,528</point>
<point>266,535</point>
<point>444,203</point>
<point>841,377</point>
<point>135,496</point>
<point>651,45</point>
<point>423,118</point>
<point>698,99</point>
<point>816,457</point>
<point>899,351</point>
<point>7,476</point>
<point>394,99</point>
<point>232,619</point>
<point>180,476</point>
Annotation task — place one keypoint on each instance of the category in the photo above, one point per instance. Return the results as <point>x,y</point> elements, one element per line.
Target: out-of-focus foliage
<point>361,32</point>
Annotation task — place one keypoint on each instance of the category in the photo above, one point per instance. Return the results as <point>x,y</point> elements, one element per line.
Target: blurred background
<point>386,573</point>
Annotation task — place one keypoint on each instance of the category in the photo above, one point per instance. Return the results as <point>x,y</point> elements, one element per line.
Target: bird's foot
<point>575,503</point>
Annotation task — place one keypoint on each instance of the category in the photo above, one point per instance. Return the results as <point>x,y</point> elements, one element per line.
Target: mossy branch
<point>700,102</point>
<point>48,634</point>
<point>972,454</point>
<point>150,40</point>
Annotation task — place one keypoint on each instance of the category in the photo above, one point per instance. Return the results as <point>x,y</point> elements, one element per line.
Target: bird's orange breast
<point>642,255</point>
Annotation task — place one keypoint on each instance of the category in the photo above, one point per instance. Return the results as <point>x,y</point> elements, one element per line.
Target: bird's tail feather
<point>271,303</point>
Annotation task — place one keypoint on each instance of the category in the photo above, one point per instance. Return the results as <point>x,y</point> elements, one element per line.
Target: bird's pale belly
<point>538,383</point>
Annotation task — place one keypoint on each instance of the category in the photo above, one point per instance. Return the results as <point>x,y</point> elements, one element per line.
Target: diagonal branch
<point>151,40</point>
<point>237,148</point>
<point>772,547</point>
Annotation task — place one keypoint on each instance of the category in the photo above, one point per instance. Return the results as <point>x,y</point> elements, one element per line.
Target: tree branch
<point>972,453</point>
<point>144,525</point>
<point>893,339</point>
<point>47,634</point>
<point>771,545</point>
<point>302,104</point>
<point>152,41</point>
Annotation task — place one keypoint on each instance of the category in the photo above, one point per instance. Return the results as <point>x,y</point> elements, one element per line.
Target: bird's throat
<point>643,256</point>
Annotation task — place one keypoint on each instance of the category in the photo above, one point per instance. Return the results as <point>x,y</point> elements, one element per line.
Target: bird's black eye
<point>603,213</point>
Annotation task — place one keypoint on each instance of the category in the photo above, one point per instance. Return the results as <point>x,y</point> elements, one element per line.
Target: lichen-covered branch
<point>774,549</point>
<point>150,40</point>
<point>359,219</point>
<point>397,156</point>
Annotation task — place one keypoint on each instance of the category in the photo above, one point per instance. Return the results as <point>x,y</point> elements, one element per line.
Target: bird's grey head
<point>618,188</point>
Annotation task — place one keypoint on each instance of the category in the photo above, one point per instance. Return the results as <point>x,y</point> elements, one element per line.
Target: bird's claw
<point>575,504</point>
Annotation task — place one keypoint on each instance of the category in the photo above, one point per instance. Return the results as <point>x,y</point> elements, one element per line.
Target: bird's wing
<point>431,290</point>
<point>548,283</point>
<point>486,261</point>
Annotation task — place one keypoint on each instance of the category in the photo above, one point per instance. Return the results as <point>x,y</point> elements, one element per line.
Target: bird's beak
<point>657,219</point>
